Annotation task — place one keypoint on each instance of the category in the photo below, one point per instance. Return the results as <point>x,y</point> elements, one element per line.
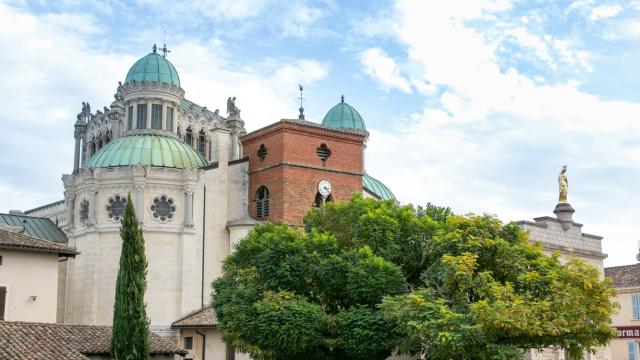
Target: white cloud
<point>604,12</point>
<point>496,138</point>
<point>380,66</point>
<point>49,69</point>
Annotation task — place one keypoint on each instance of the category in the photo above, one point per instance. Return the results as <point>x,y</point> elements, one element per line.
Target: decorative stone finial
<point>341,98</point>
<point>154,48</point>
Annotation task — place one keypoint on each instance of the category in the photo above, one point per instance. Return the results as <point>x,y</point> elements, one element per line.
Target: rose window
<point>163,208</point>
<point>115,207</point>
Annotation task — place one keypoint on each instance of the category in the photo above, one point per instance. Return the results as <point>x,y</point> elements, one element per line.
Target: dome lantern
<point>153,67</point>
<point>344,116</point>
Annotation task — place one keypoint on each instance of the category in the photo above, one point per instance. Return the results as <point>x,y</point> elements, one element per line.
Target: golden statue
<point>564,185</point>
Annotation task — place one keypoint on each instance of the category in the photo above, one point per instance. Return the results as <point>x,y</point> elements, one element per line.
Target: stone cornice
<point>306,128</point>
<point>140,86</point>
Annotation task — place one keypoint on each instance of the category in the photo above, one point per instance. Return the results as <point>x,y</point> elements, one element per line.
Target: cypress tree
<point>130,338</point>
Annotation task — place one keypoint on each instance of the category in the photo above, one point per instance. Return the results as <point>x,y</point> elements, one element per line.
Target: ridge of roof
<point>34,340</point>
<point>203,317</point>
<point>26,212</point>
<point>17,241</point>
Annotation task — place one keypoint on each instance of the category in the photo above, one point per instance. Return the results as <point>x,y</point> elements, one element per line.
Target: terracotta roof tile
<point>205,317</point>
<point>24,340</point>
<point>624,276</point>
<point>16,241</point>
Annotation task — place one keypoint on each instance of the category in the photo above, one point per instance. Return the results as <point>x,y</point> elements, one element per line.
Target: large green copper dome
<point>153,67</point>
<point>343,116</point>
<point>147,149</point>
<point>376,187</point>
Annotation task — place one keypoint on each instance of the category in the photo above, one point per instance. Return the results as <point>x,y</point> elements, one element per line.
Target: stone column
<point>139,202</point>
<point>92,207</point>
<point>70,203</point>
<point>188,210</point>
<point>148,114</point>
<point>76,156</point>
<point>164,116</point>
<point>134,121</point>
<point>83,152</point>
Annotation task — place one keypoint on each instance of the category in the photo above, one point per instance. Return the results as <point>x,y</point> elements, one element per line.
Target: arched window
<point>201,142</point>
<point>141,116</point>
<point>262,202</point>
<point>320,201</point>
<point>169,119</point>
<point>188,136</point>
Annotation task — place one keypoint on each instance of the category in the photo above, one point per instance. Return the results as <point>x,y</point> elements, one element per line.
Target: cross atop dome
<point>164,50</point>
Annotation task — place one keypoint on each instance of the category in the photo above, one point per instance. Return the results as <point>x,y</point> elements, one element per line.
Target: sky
<point>471,104</point>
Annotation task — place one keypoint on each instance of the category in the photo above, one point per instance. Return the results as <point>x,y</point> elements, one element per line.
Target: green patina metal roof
<point>34,226</point>
<point>153,67</point>
<point>147,149</point>
<point>377,188</point>
<point>343,116</point>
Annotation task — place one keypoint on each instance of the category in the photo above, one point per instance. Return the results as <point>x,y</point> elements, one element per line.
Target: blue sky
<point>473,104</point>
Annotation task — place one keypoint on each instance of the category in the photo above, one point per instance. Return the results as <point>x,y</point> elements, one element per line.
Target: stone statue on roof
<point>85,114</point>
<point>563,183</point>
<point>118,95</point>
<point>232,109</point>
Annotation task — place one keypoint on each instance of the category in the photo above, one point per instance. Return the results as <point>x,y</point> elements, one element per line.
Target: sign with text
<point>628,332</point>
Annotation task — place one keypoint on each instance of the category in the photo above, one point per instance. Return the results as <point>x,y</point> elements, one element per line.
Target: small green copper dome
<point>154,150</point>
<point>343,116</point>
<point>377,188</point>
<point>153,67</point>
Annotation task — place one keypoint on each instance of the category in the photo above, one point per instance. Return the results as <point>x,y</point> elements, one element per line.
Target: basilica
<point>199,182</point>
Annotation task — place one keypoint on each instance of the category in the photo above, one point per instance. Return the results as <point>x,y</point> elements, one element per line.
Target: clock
<point>324,187</point>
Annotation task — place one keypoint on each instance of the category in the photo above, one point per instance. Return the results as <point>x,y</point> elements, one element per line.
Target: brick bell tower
<point>295,165</point>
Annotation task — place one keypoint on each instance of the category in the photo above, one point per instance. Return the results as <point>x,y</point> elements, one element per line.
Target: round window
<point>115,207</point>
<point>163,208</point>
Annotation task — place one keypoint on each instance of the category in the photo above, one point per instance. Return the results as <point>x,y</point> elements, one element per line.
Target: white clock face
<point>324,187</point>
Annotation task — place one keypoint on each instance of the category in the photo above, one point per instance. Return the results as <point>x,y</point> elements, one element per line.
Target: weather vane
<point>301,116</point>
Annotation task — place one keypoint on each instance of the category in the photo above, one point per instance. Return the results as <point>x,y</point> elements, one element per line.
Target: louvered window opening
<point>170,119</point>
<point>262,203</point>
<point>323,152</point>
<point>142,116</point>
<point>156,117</point>
<point>201,142</point>
<point>262,152</point>
<point>188,137</point>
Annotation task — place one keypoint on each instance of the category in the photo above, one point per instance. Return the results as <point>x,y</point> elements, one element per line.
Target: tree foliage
<point>365,279</point>
<point>130,337</point>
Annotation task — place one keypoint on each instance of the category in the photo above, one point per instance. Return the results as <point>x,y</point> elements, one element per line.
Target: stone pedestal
<point>564,213</point>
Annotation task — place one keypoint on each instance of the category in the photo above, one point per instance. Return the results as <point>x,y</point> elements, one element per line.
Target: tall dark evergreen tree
<point>130,339</point>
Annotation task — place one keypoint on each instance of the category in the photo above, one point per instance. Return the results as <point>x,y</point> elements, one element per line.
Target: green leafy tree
<point>130,338</point>
<point>368,278</point>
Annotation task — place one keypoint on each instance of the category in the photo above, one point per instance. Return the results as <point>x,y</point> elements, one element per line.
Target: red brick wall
<point>292,169</point>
